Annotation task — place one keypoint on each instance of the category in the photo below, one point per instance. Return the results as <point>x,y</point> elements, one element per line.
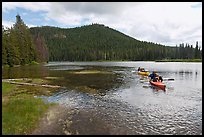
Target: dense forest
<point>19,47</point>
<point>98,42</point>
<point>95,42</point>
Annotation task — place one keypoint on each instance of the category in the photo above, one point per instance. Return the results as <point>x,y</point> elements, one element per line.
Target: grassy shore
<point>20,110</point>
<point>179,60</point>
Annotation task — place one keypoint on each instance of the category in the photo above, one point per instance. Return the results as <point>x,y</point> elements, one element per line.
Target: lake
<point>111,98</point>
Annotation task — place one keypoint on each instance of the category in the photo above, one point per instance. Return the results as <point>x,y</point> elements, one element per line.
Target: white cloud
<point>31,25</point>
<point>7,24</point>
<point>33,6</point>
<point>168,23</point>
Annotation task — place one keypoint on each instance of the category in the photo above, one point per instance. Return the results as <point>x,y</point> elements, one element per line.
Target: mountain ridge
<point>99,42</point>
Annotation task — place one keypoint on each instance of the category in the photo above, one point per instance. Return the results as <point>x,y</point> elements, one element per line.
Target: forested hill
<point>98,42</point>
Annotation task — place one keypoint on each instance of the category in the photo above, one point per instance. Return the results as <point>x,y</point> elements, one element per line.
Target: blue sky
<point>30,18</point>
<point>161,22</point>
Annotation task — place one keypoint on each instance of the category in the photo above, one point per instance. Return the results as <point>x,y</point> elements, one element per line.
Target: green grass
<point>5,66</point>
<point>179,60</point>
<point>34,63</point>
<point>20,112</point>
<point>6,88</point>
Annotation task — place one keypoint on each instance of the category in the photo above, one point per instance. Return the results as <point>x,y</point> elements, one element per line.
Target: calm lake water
<point>117,100</point>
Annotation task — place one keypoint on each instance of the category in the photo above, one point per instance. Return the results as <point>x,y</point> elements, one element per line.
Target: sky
<point>167,23</point>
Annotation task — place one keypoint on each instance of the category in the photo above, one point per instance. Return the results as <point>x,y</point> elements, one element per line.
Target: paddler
<point>141,69</point>
<point>155,77</point>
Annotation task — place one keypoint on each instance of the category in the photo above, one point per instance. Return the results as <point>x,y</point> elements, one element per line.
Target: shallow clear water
<point>124,102</point>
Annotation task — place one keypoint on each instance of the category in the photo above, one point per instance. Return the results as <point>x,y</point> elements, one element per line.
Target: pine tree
<point>26,46</point>
<point>17,44</point>
<point>4,44</point>
<point>196,51</point>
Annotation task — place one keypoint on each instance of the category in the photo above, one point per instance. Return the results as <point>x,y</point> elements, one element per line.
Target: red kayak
<point>158,84</point>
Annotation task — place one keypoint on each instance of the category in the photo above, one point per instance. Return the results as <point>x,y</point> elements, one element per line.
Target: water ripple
<point>121,115</point>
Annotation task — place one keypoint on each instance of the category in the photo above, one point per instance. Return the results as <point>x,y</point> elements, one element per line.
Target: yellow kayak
<point>145,73</point>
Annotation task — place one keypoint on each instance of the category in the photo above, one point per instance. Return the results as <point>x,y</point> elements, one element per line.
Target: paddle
<point>168,79</point>
<point>164,79</point>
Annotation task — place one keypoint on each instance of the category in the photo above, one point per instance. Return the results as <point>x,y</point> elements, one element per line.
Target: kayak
<point>146,73</point>
<point>158,84</point>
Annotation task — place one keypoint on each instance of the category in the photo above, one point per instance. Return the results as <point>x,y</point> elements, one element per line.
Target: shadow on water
<point>28,71</point>
<point>91,79</point>
<point>88,79</point>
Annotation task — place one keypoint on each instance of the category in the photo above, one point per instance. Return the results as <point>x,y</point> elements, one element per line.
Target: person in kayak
<point>160,78</point>
<point>141,69</point>
<point>155,77</point>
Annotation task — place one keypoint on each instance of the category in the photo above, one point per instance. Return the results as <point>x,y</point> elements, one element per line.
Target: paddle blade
<point>168,79</point>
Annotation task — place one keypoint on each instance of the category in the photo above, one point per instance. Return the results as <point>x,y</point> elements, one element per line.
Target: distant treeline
<point>98,42</point>
<point>21,45</point>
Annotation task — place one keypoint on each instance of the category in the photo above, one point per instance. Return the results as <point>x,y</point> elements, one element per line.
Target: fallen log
<point>30,84</point>
<point>17,79</point>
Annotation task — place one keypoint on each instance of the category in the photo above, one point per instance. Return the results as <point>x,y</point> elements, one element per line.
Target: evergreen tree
<point>4,44</point>
<point>196,51</point>
<point>17,44</point>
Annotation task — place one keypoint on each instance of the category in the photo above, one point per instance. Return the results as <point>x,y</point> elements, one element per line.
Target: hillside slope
<point>96,42</point>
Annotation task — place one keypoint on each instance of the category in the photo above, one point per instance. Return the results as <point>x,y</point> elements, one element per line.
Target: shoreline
<point>180,60</point>
<point>23,97</point>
